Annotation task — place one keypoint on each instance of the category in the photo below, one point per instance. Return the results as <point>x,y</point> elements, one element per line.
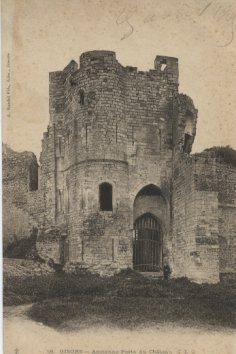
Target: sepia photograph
<point>119,176</point>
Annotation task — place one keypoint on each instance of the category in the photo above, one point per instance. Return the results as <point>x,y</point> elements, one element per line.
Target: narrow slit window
<point>86,133</point>
<point>60,144</point>
<point>82,199</point>
<point>105,196</point>
<point>68,200</point>
<point>116,133</point>
<point>160,137</point>
<point>113,249</point>
<point>60,200</point>
<point>81,97</point>
<point>132,135</point>
<point>82,250</point>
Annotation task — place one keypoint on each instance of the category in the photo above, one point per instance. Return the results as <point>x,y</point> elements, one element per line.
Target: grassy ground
<point>127,300</point>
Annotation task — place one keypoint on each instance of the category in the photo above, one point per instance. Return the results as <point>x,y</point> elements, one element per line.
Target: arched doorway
<point>147,244</point>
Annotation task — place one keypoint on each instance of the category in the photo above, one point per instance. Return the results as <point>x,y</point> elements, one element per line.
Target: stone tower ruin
<point>116,177</point>
<point>111,144</point>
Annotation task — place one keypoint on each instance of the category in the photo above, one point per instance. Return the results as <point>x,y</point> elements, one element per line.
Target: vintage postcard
<point>119,176</point>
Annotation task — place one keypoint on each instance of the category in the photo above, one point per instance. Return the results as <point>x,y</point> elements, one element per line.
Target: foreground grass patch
<point>131,312</point>
<point>127,300</point>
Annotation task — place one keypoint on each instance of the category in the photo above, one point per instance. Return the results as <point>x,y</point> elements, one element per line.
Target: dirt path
<point>30,337</point>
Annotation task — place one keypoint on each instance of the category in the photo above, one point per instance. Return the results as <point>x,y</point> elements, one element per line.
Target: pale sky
<point>44,35</point>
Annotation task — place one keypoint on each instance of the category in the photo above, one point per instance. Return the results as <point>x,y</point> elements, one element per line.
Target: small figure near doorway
<point>166,270</point>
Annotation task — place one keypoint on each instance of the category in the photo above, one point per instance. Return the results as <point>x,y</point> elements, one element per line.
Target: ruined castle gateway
<point>115,173</point>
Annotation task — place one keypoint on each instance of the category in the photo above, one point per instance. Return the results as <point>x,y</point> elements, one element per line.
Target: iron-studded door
<point>147,244</point>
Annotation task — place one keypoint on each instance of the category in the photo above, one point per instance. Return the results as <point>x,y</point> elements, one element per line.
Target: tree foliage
<point>226,153</point>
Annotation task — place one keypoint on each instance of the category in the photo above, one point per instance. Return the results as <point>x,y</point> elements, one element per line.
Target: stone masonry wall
<point>20,177</point>
<point>47,184</point>
<point>195,231</point>
<point>100,239</point>
<point>216,176</point>
<point>227,216</point>
<point>16,223</point>
<point>213,224</point>
<point>184,218</point>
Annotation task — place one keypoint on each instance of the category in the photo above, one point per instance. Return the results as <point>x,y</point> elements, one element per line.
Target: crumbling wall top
<point>103,57</point>
<point>71,67</point>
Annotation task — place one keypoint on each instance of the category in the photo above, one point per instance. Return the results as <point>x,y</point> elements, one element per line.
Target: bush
<point>226,153</point>
<point>20,248</point>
